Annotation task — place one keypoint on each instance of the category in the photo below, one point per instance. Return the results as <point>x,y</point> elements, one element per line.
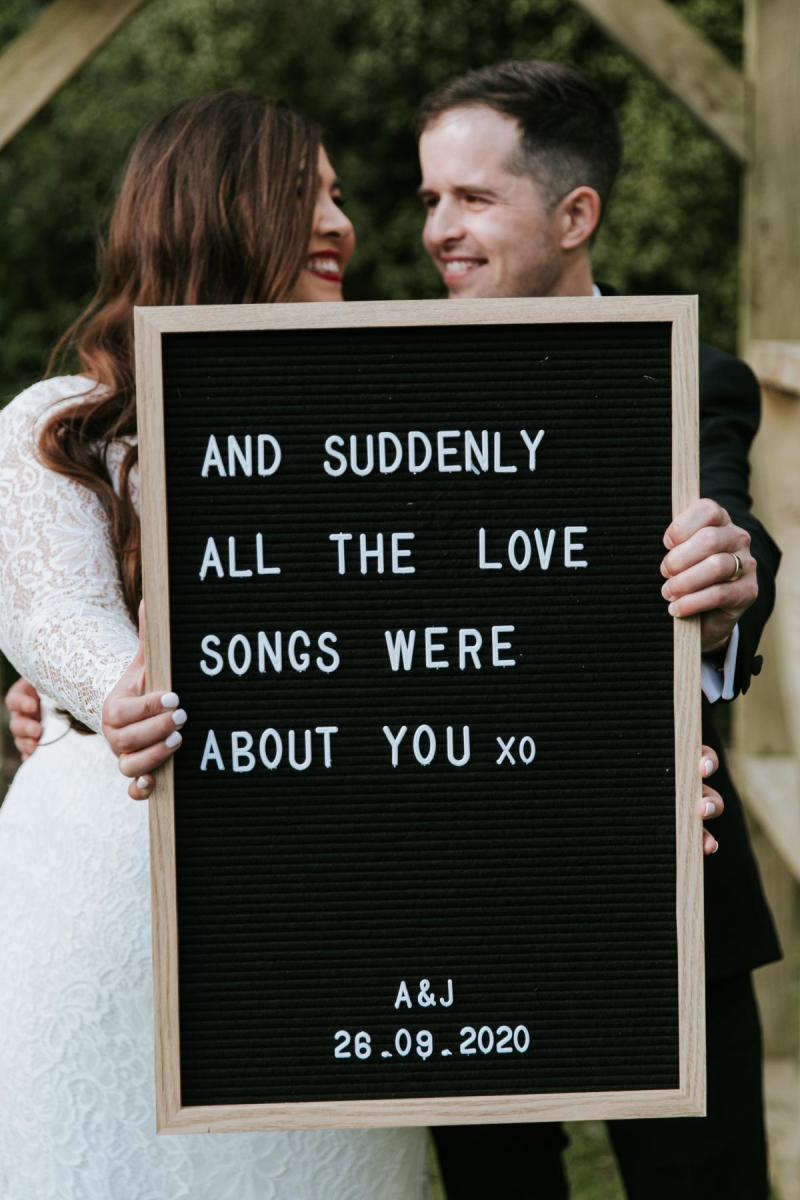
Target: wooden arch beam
<point>683,61</point>
<point>52,49</point>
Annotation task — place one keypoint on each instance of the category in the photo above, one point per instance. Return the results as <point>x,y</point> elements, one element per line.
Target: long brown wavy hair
<point>215,207</point>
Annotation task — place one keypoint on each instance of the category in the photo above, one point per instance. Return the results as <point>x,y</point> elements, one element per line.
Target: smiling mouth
<point>460,268</point>
<point>325,266</point>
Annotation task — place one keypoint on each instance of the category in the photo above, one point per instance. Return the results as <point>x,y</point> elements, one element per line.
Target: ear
<point>579,215</point>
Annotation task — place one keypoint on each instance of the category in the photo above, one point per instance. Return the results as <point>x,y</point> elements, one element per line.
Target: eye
<point>429,202</point>
<point>338,199</point>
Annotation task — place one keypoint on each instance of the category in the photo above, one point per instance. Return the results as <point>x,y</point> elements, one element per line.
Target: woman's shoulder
<point>46,394</point>
<point>24,417</point>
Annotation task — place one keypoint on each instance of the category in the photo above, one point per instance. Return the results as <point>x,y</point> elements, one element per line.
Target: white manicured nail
<point>710,809</point>
<point>170,700</point>
<point>142,783</point>
<point>173,740</point>
<point>716,848</point>
<point>179,716</point>
<point>708,766</point>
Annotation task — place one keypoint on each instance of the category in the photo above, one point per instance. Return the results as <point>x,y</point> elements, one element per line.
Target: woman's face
<point>332,242</point>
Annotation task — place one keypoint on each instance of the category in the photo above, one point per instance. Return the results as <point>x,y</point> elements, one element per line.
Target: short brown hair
<point>569,135</point>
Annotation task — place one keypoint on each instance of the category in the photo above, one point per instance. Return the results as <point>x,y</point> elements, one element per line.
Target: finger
<point>21,697</point>
<point>119,711</point>
<point>141,734</point>
<point>705,542</point>
<point>710,843</point>
<point>141,787</point>
<point>730,599</point>
<point>711,806</point>
<point>718,568</point>
<point>25,747</point>
<point>709,761</point>
<point>24,727</point>
<point>145,761</point>
<point>699,513</point>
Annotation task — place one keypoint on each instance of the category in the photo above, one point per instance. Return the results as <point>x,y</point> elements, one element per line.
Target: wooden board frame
<point>686,1100</point>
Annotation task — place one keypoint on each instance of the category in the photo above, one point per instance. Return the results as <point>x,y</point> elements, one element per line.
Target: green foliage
<point>360,67</point>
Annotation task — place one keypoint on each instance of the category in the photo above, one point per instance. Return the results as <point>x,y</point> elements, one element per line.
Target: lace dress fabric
<point>76,1025</point>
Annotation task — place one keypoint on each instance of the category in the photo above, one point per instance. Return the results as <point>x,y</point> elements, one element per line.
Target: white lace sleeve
<point>63,621</point>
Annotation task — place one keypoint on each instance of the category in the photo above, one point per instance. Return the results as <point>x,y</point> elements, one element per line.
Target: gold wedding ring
<point>738,569</point>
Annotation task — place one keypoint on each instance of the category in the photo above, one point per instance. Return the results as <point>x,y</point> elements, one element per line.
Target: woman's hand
<point>25,717</point>
<point>141,727</point>
<point>712,803</point>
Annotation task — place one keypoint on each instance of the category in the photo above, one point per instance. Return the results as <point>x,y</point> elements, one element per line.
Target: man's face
<point>487,229</point>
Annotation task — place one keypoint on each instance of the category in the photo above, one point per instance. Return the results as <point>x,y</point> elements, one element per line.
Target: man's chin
<point>472,289</point>
<point>473,285</point>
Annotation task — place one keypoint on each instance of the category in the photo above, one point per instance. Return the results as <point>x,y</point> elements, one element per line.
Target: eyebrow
<point>461,190</point>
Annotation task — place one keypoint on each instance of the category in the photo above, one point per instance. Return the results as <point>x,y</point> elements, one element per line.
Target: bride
<point>226,199</point>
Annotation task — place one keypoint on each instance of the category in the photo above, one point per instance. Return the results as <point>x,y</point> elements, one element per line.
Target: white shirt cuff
<point>717,682</point>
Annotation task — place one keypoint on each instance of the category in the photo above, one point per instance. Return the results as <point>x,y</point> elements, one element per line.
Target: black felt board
<point>545,892</point>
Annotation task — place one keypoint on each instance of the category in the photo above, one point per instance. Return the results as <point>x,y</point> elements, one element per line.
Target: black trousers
<point>718,1157</point>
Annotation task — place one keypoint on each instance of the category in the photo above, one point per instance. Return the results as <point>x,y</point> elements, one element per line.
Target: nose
<point>444,224</point>
<point>332,221</point>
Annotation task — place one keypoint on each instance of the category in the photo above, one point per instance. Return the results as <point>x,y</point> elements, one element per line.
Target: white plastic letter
<point>394,742</point>
<point>532,446</point>
<point>213,459</point>
<point>332,445</point>
<point>325,644</point>
<point>267,440</point>
<point>211,559</point>
<point>483,565</point>
<point>383,462</point>
<point>270,762</point>
<point>207,646</point>
<point>240,667</point>
<point>212,753</point>
<point>570,546</point>
<point>326,732</point>
<point>498,646</point>
<point>242,757</point>
<point>400,646</point>
<point>340,539</point>
<point>426,758</point>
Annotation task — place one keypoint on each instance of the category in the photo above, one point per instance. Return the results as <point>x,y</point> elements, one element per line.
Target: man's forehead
<point>474,141</point>
<point>474,125</point>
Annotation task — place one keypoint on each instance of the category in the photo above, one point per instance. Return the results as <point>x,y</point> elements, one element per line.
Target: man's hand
<point>141,727</point>
<point>712,804</point>
<point>25,717</point>
<point>701,569</point>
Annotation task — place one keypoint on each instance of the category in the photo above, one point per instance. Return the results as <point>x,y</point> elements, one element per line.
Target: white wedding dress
<point>76,1023</point>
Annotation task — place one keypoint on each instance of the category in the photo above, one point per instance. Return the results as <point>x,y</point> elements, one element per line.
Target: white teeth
<point>460,266</point>
<point>327,266</point>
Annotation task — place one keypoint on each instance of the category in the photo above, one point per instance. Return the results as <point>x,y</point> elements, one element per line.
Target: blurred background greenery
<point>359,67</point>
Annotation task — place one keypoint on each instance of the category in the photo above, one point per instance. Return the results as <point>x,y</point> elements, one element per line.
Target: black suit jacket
<point>740,933</point>
<point>739,930</point>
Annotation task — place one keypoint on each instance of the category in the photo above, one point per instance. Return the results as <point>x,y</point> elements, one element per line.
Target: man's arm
<point>702,541</point>
<point>730,412</point>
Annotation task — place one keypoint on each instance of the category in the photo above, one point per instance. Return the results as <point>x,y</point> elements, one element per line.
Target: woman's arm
<point>63,620</point>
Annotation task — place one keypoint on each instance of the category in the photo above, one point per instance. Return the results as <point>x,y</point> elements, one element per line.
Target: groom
<point>518,161</point>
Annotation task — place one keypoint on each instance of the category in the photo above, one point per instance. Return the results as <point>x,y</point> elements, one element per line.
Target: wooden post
<point>771,220</point>
<point>685,62</point>
<point>767,725</point>
<point>56,45</point>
